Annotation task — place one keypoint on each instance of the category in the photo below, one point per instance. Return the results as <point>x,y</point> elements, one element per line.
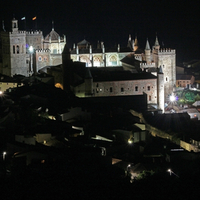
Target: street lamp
<point>4,155</point>
<point>171,172</point>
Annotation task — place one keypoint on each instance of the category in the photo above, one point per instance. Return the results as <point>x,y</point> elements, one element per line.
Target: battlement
<point>145,65</point>
<point>42,50</point>
<point>17,32</point>
<point>166,51</point>
<point>34,32</point>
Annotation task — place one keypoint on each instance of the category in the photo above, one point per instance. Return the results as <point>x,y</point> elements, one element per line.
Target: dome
<point>54,36</point>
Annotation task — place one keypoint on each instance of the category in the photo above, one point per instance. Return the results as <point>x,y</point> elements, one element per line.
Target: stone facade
<point>15,57</point>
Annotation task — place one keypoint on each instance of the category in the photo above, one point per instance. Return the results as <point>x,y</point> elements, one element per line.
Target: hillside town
<point>88,117</point>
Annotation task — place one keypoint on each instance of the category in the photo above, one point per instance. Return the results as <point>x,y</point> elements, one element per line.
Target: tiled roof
<point>101,76</point>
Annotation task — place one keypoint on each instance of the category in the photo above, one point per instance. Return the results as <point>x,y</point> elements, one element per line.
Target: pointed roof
<point>160,70</point>
<point>83,42</point>
<point>147,45</point>
<point>156,42</point>
<point>130,42</point>
<point>136,41</point>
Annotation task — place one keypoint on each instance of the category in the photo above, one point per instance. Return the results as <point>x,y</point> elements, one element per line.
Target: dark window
<point>17,49</point>
<point>13,49</point>
<point>122,89</point>
<point>149,98</point>
<point>111,89</point>
<point>136,88</point>
<point>148,88</point>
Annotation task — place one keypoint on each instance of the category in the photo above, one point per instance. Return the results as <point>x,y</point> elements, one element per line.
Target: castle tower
<point>148,52</point>
<point>14,58</point>
<point>160,89</point>
<point>67,69</point>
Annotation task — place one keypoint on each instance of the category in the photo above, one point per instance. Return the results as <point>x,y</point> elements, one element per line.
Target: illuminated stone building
<point>15,57</point>
<point>148,60</point>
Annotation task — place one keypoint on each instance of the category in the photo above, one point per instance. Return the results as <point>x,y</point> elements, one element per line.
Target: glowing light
<point>4,155</point>
<point>31,49</point>
<point>130,141</point>
<point>1,92</point>
<point>172,98</point>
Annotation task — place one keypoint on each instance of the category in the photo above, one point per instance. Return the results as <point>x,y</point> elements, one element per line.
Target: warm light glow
<point>58,85</point>
<point>130,141</point>
<point>4,153</point>
<point>169,170</point>
<point>1,92</point>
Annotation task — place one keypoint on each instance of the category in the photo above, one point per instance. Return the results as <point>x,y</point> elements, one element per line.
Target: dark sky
<point>177,23</point>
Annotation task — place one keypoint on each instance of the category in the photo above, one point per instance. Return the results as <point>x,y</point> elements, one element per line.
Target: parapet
<point>17,32</point>
<point>167,51</point>
<point>34,32</point>
<point>145,65</point>
<point>42,50</point>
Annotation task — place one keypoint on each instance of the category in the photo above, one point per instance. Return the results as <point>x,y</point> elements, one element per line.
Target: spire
<point>3,26</point>
<point>129,42</point>
<point>136,41</point>
<point>147,45</point>
<point>136,45</point>
<point>129,39</point>
<point>160,70</point>
<point>52,25</point>
<point>156,42</point>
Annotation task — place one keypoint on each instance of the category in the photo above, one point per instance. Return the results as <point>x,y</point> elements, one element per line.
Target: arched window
<point>13,48</point>
<point>17,49</point>
<point>96,61</point>
<point>113,60</point>
<point>149,97</point>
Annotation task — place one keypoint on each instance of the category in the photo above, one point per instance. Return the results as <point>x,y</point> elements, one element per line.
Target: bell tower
<point>14,25</point>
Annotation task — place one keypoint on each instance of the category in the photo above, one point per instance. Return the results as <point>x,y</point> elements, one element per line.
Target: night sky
<point>177,23</point>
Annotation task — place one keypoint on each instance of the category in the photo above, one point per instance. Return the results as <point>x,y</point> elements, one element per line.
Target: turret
<point>103,48</point>
<point>118,48</point>
<point>148,52</point>
<point>67,69</point>
<point>88,82</point>
<point>130,42</point>
<point>160,89</point>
